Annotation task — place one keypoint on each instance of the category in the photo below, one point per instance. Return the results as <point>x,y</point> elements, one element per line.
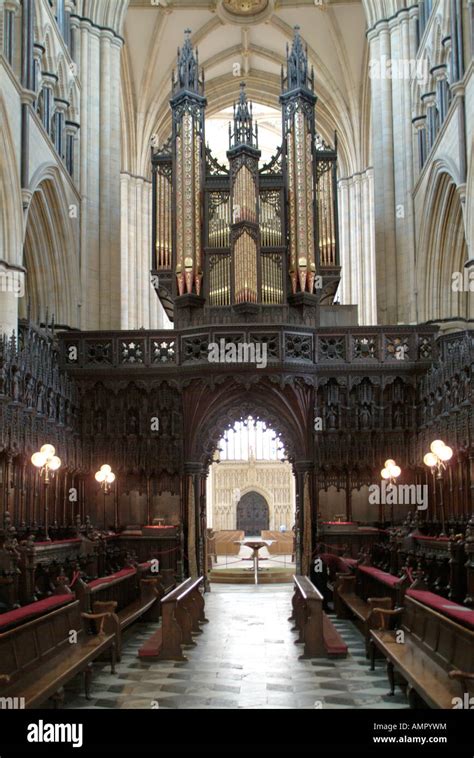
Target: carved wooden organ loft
<point>245,235</point>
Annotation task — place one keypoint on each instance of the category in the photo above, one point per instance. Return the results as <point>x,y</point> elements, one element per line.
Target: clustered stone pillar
<point>393,40</point>
<point>358,285</point>
<point>140,306</point>
<point>97,54</point>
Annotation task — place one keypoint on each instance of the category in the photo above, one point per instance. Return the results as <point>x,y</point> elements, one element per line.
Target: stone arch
<point>11,220</point>
<point>11,216</point>
<point>107,14</point>
<point>243,519</point>
<point>50,251</point>
<point>443,249</point>
<point>261,491</point>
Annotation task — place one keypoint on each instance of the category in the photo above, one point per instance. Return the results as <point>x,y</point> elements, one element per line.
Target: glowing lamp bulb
<point>437,446</point>
<point>38,460</point>
<point>430,459</point>
<point>389,462</point>
<point>110,478</point>
<point>385,473</point>
<point>395,471</point>
<point>446,453</point>
<point>54,463</point>
<point>48,451</point>
<point>106,468</point>
<point>100,476</point>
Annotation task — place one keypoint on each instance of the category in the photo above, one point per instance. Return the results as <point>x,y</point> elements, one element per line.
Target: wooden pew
<point>348,604</point>
<point>125,595</point>
<point>38,658</point>
<point>182,612</point>
<point>307,615</point>
<point>436,658</point>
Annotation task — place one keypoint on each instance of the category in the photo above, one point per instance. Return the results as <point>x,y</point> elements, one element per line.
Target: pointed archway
<point>253,514</point>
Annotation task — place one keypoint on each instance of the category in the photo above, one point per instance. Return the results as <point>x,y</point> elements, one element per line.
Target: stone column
<point>97,54</point>
<point>419,124</point>
<point>358,284</point>
<point>392,42</point>
<point>382,153</point>
<point>60,110</point>
<point>140,305</point>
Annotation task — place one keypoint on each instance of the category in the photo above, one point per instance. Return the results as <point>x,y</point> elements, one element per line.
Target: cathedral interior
<point>236,354</point>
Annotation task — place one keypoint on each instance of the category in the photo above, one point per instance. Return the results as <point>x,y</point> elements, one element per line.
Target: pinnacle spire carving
<point>244,132</point>
<point>297,69</point>
<point>186,76</point>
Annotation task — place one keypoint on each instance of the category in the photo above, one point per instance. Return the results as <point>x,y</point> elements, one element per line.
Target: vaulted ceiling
<point>246,39</point>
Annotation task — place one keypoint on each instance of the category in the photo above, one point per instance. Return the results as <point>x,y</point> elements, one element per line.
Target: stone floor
<point>245,658</point>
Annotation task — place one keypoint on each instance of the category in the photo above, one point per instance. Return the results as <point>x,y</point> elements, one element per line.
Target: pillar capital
<point>303,467</point>
<point>191,467</point>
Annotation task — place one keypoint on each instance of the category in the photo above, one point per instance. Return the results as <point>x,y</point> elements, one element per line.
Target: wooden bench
<point>348,604</point>
<point>38,658</point>
<point>182,612</point>
<point>307,615</point>
<point>125,595</point>
<point>315,628</point>
<point>435,660</point>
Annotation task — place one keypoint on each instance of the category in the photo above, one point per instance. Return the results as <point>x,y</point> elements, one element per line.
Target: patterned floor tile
<point>245,658</point>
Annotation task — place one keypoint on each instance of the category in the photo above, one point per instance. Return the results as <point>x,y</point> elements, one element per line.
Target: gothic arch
<point>260,491</point>
<point>11,217</point>
<point>50,251</point>
<point>442,249</point>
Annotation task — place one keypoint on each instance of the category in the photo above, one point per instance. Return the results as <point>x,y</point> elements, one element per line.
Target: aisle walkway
<point>245,658</point>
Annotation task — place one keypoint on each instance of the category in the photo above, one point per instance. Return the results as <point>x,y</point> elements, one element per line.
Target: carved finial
<point>297,64</point>
<point>244,133</point>
<point>187,76</point>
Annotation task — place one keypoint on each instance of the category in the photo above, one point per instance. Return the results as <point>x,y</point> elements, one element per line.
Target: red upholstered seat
<point>334,563</point>
<point>112,577</point>
<point>459,613</point>
<point>350,561</point>
<point>380,575</point>
<point>33,610</point>
<point>145,565</point>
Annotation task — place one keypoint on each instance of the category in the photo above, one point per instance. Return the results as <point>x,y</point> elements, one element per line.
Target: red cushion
<point>112,577</point>
<point>424,537</point>
<point>350,561</point>
<point>380,575</point>
<point>457,612</point>
<point>28,612</point>
<point>334,562</point>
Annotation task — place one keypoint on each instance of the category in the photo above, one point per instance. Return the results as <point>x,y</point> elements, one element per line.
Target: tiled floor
<point>246,657</point>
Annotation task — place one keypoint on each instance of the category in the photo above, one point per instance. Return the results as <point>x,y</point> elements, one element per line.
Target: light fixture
<point>390,471</point>
<point>106,478</point>
<point>436,460</point>
<point>47,463</point>
<point>438,457</point>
